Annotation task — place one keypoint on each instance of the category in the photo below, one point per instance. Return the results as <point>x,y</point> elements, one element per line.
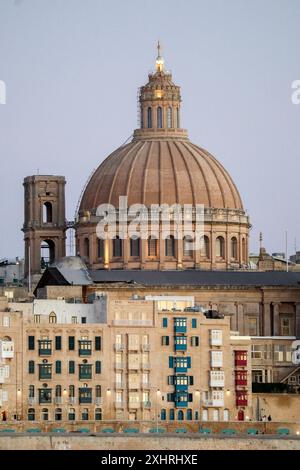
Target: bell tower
<point>44,221</point>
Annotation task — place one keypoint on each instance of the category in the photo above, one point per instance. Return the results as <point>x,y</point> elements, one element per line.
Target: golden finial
<point>159,59</point>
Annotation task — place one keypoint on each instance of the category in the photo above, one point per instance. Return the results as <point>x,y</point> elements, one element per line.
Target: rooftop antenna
<point>286,251</point>
<point>260,240</point>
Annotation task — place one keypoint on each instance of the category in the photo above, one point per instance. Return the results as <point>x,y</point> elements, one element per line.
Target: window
<point>220,247</point>
<point>71,343</point>
<point>285,326</point>
<point>187,246</point>
<point>45,414</point>
<point>37,318</point>
<point>152,246</point>
<point>170,246</point>
<point>58,367</point>
<point>278,352</point>
<point>257,376</point>
<point>165,340</point>
<point>71,414</point>
<point>178,118</point>
<point>52,317</point>
<point>149,118</point>
<point>83,319</point>
<point>97,343</point>
<point>169,118</point>
<point>31,367</point>
<point>58,391</point>
<point>117,247</point>
<point>234,251</point>
<point>47,212</point>
<point>85,414</point>
<point>252,326</point>
<point>85,371</point>
<point>171,414</point>
<point>85,347</point>
<point>204,415</point>
<point>159,117</point>
<point>98,391</point>
<point>74,320</point>
<point>195,341</point>
<point>100,248</point>
<point>256,351</point>
<point>45,371</point>
<point>216,337</point>
<point>134,247</point>
<point>86,247</point>
<point>98,367</point>
<point>194,322</point>
<point>31,343</point>
<point>31,414</point>
<point>165,323</point>
<point>204,247</point>
<point>31,391</point>
<point>163,415</point>
<point>58,343</point>
<point>71,391</point>
<point>189,414</point>
<point>244,251</point>
<point>71,367</point>
<point>98,414</point>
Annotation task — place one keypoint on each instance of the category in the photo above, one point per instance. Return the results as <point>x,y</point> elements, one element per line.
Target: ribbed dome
<point>158,171</point>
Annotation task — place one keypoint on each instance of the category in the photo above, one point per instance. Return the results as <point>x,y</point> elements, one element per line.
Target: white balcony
<point>98,401</point>
<point>58,400</point>
<point>216,359</point>
<point>213,402</point>
<point>146,347</point>
<point>120,404</point>
<point>120,384</point>
<point>72,400</point>
<point>146,385</point>
<point>7,349</point>
<point>119,365</point>
<point>2,374</point>
<point>216,379</point>
<point>119,347</point>
<point>146,404</point>
<point>134,404</point>
<point>216,338</point>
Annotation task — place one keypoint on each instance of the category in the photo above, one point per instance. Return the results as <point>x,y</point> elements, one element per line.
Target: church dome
<point>160,166</point>
<point>158,170</point>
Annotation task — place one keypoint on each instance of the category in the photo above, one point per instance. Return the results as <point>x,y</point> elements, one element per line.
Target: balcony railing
<point>146,347</point>
<point>45,376</point>
<point>216,382</point>
<point>241,402</point>
<point>119,347</point>
<point>85,375</point>
<point>145,366</point>
<point>45,348</point>
<point>180,368</point>
<point>134,404</point>
<point>240,362</point>
<point>85,399</point>
<point>98,401</point>
<point>58,400</point>
<point>180,328</point>
<point>120,404</point>
<point>242,382</point>
<point>45,351</point>
<point>181,387</point>
<point>213,402</point>
<point>146,385</point>
<point>119,365</point>
<point>180,347</point>
<point>72,400</point>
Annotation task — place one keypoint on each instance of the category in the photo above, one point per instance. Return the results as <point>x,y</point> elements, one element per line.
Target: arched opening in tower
<point>47,253</point>
<point>47,213</point>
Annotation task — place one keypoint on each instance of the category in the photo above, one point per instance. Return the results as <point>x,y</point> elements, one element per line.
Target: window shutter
<point>97,343</point>
<point>167,341</point>
<point>191,380</point>
<point>170,397</point>
<point>71,367</point>
<point>31,343</point>
<point>98,367</point>
<point>71,343</point>
<point>58,367</point>
<point>58,343</point>
<point>194,323</point>
<point>165,322</point>
<point>171,362</point>
<point>170,380</point>
<point>189,362</point>
<point>31,367</point>
<point>190,397</point>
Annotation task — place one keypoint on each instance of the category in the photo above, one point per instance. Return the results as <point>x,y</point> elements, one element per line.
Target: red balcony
<point>241,378</point>
<point>241,402</point>
<point>240,358</point>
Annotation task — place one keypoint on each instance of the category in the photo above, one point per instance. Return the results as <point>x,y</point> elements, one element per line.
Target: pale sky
<point>72,69</point>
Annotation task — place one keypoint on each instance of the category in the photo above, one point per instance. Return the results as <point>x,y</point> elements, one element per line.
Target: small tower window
<point>100,248</point>
<point>169,117</point>
<point>134,247</point>
<point>52,317</point>
<point>149,118</point>
<point>234,248</point>
<point>152,246</point>
<point>204,247</point>
<point>220,247</point>
<point>47,213</point>
<point>159,118</point>
<point>117,247</point>
<point>178,118</point>
<point>86,245</point>
<point>170,246</point>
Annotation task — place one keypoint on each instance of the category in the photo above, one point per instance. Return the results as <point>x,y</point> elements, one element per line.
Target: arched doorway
<point>47,253</point>
<point>241,415</point>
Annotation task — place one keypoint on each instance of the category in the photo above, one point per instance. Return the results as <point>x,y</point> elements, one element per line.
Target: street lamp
<point>64,398</point>
<point>108,394</point>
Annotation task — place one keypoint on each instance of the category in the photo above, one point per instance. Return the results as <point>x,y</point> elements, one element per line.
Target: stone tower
<point>44,221</point>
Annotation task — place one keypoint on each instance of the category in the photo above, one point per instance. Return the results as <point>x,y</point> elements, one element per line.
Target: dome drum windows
<point>117,247</point>
<point>220,247</point>
<point>159,117</point>
<point>205,247</point>
<point>152,247</point>
<point>234,248</point>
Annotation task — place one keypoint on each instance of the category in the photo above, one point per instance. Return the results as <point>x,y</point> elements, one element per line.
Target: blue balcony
<point>180,346</point>
<point>180,368</point>
<point>181,400</point>
<point>180,328</point>
<point>181,387</point>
